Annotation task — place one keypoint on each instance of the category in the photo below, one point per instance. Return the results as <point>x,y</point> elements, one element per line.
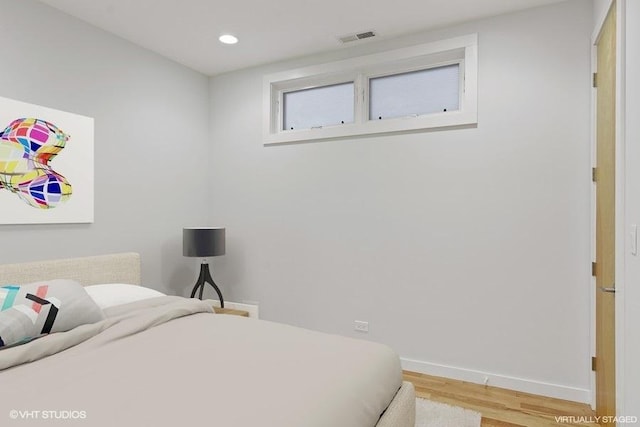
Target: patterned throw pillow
<point>36,309</point>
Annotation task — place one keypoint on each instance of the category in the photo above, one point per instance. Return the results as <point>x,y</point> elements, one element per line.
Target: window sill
<point>400,125</point>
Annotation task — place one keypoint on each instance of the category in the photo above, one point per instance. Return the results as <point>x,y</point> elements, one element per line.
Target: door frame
<point>621,231</point>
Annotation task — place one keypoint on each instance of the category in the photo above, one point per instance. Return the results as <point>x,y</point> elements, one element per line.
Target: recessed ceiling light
<point>228,39</point>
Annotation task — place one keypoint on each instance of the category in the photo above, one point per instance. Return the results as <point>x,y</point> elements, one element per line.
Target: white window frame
<point>461,50</point>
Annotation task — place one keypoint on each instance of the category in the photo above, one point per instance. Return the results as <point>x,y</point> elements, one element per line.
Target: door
<point>605,217</point>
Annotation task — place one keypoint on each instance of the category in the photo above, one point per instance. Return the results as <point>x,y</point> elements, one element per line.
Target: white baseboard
<point>495,380</point>
<point>251,308</point>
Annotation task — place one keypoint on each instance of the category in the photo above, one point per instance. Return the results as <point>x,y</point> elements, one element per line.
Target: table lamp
<point>204,242</point>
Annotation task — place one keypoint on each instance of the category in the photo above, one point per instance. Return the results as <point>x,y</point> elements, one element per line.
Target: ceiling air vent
<point>355,37</point>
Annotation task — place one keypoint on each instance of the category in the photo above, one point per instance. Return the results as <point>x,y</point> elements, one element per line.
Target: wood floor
<point>500,407</point>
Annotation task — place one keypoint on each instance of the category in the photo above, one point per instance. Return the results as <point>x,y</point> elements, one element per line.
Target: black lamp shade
<point>203,241</point>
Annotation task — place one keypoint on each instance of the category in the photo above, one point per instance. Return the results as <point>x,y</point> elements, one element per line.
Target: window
<point>415,93</point>
<point>419,87</point>
<point>317,107</point>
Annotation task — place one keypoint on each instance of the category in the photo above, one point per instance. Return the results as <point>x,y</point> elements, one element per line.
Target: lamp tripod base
<point>205,277</point>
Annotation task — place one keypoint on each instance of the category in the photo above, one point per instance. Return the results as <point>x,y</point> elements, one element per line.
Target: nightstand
<point>231,311</point>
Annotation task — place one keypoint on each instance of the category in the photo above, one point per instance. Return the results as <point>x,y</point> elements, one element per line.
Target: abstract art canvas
<point>46,165</point>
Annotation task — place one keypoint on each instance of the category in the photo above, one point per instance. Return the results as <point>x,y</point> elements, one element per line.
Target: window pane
<point>320,106</point>
<point>417,92</point>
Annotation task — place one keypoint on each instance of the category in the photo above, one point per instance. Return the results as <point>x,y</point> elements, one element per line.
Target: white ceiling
<point>187,31</point>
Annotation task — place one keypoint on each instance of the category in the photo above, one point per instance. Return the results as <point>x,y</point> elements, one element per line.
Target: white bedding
<point>107,295</point>
<point>200,369</point>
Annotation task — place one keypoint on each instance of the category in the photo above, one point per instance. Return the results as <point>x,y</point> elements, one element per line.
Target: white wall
<point>151,126</point>
<point>631,293</point>
<point>466,248</point>
<point>600,9</point>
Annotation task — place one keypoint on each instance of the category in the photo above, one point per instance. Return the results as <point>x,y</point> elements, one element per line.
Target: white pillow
<point>110,294</point>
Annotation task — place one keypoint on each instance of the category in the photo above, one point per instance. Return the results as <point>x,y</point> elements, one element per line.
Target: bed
<point>172,361</point>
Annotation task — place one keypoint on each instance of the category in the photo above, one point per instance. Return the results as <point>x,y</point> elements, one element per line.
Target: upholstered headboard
<point>116,268</point>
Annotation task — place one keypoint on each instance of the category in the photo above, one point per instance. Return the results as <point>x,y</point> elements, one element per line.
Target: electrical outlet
<point>361,326</point>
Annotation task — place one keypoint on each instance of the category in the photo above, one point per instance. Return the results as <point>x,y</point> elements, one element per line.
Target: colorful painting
<point>26,148</point>
<point>46,165</point>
